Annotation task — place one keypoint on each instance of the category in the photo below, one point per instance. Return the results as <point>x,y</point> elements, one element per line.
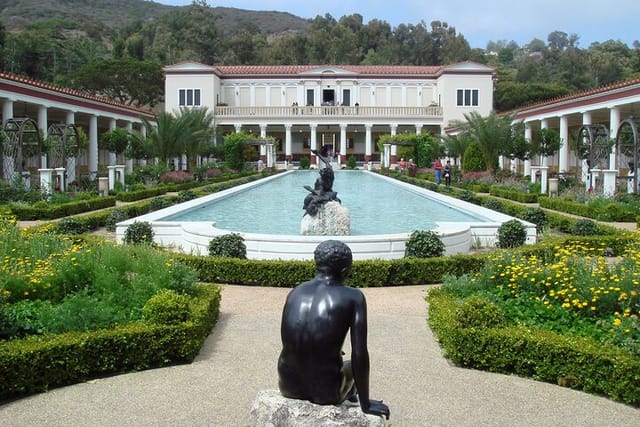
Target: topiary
<point>228,245</point>
<point>479,312</point>
<point>167,307</point>
<point>186,195</point>
<point>139,233</point>
<point>424,244</point>
<point>351,162</point>
<point>536,216</point>
<point>115,216</point>
<point>70,226</point>
<point>511,234</point>
<point>158,203</point>
<point>473,159</point>
<point>584,227</point>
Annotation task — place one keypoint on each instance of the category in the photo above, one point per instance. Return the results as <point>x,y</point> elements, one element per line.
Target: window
<point>467,98</point>
<point>189,97</point>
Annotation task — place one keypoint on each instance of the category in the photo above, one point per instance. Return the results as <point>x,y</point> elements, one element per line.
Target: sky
<point>479,21</point>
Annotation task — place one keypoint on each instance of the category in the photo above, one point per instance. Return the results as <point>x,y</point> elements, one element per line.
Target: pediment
<point>327,71</point>
<point>188,66</point>
<point>468,66</point>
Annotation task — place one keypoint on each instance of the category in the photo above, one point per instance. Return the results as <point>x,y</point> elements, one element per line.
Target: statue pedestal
<point>271,409</point>
<point>332,219</point>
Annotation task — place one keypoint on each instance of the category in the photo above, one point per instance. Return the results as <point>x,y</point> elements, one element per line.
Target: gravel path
<point>239,358</point>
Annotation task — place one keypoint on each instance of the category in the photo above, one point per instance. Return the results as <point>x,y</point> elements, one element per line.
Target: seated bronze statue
<point>315,320</point>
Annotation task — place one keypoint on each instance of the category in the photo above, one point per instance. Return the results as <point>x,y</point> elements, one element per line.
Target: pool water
<point>375,205</point>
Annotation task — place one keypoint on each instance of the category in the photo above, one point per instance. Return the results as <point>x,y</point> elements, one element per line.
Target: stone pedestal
<point>46,180</point>
<point>544,173</point>
<point>103,186</point>
<point>609,182</point>
<point>332,219</point>
<point>553,187</point>
<point>59,179</point>
<point>271,409</point>
<point>595,179</point>
<point>116,174</point>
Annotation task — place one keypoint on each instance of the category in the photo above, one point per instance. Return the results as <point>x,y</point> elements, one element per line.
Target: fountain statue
<point>324,213</point>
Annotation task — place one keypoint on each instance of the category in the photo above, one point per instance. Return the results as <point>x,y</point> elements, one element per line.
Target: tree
<point>126,80</point>
<point>164,138</point>
<point>547,143</point>
<point>455,145</point>
<point>493,134</point>
<point>197,126</point>
<point>116,140</point>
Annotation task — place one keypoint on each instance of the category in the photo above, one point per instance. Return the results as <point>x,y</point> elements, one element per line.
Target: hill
<point>105,16</point>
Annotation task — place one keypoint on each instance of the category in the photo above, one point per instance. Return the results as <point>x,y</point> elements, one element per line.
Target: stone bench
<point>271,409</point>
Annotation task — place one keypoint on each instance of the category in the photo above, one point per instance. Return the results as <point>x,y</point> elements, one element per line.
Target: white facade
<point>347,107</point>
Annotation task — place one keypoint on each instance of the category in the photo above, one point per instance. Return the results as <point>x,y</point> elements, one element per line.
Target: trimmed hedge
<point>25,212</point>
<point>614,211</point>
<point>377,273</point>
<point>579,363</point>
<point>516,195</point>
<point>37,364</point>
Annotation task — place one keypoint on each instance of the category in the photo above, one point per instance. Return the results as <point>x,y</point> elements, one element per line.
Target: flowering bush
<point>176,177</point>
<point>577,293</point>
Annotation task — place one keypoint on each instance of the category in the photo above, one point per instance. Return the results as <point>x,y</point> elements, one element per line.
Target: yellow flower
<point>617,322</point>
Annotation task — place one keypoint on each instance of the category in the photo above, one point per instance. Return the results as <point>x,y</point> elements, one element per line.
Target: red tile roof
<point>72,92</point>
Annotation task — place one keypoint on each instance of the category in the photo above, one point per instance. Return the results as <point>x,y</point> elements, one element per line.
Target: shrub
<point>158,203</point>
<point>70,226</point>
<point>167,307</point>
<point>139,232</point>
<point>305,163</point>
<point>584,227</point>
<point>473,158</point>
<point>186,195</point>
<point>351,162</point>
<point>495,205</point>
<point>479,312</point>
<point>536,216</point>
<point>228,245</point>
<point>511,234</point>
<point>115,216</point>
<point>424,244</point>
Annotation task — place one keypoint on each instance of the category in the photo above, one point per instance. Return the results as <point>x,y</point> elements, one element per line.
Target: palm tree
<point>165,137</point>
<point>197,128</point>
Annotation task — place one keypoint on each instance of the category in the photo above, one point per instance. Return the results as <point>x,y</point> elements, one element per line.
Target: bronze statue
<point>322,191</point>
<point>315,320</point>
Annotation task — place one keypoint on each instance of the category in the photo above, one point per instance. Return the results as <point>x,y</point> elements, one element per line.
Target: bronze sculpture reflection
<point>315,320</point>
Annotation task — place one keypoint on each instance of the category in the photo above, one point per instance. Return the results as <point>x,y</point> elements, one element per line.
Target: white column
<point>584,167</point>
<point>93,147</point>
<point>563,157</point>
<point>72,162</point>
<point>238,127</point>
<point>394,149</point>
<point>129,162</point>
<point>613,133</point>
<point>288,152</point>
<point>527,136</point>
<point>112,155</point>
<point>418,128</point>
<point>343,144</point>
<point>7,110</point>
<point>544,124</point>
<point>367,142</point>
<point>43,126</point>
<point>263,148</point>
<point>314,142</point>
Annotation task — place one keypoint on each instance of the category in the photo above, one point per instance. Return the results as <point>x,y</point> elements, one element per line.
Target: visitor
<point>316,318</point>
<point>437,166</point>
<point>402,165</point>
<point>447,174</point>
<point>412,168</point>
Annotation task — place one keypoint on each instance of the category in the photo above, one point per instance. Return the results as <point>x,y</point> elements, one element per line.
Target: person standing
<point>403,165</point>
<point>447,174</point>
<point>437,166</point>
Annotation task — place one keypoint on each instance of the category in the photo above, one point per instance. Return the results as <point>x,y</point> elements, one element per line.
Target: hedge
<point>377,273</point>
<point>36,364</point>
<point>516,195</point>
<point>614,211</point>
<point>579,363</point>
<point>24,212</point>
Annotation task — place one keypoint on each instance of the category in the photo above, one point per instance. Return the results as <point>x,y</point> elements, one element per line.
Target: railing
<point>323,111</point>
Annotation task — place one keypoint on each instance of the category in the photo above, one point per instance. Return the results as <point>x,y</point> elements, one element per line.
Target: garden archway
<point>628,151</point>
<point>21,146</point>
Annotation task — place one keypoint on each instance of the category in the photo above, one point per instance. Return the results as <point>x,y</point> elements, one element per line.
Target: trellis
<point>21,142</point>
<point>64,146</point>
<point>628,149</point>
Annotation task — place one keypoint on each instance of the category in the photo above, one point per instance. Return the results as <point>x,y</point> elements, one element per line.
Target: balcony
<point>319,112</point>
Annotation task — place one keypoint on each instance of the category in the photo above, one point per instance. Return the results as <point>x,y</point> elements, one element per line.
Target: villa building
<point>344,108</point>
